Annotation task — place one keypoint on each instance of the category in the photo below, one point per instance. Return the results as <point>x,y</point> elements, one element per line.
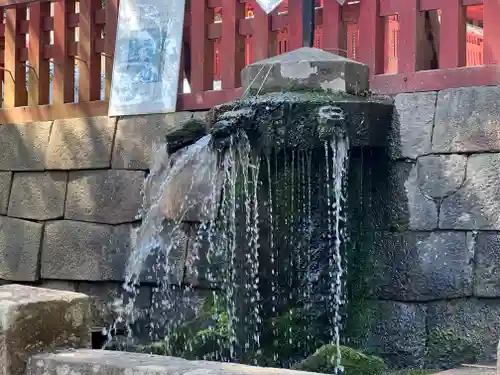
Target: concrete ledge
<point>102,362</point>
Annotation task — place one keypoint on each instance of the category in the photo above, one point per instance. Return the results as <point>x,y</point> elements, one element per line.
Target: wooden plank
<point>39,79</point>
<point>434,80</point>
<point>207,99</point>
<point>452,49</point>
<point>295,29</point>
<point>53,112</point>
<point>2,72</point>
<point>334,30</point>
<point>264,40</point>
<point>491,46</point>
<point>15,72</point>
<point>89,62</point>
<point>411,28</point>
<point>371,36</point>
<point>202,48</point>
<point>232,44</point>
<point>63,84</point>
<point>109,43</point>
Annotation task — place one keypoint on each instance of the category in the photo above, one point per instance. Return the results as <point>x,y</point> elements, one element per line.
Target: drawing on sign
<point>269,5</point>
<point>147,57</point>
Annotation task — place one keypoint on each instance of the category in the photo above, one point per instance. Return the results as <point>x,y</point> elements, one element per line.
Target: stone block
<point>84,251</point>
<point>462,331</point>
<point>69,286</point>
<point>24,146</point>
<point>401,203</point>
<point>35,320</point>
<point>440,176</point>
<point>38,195</point>
<point>487,269</point>
<point>411,130</point>
<point>106,362</point>
<point>421,266</point>
<point>467,120</point>
<point>5,184</point>
<point>109,298</point>
<point>396,332</point>
<point>306,69</point>
<point>138,137</point>
<point>111,196</point>
<point>476,205</point>
<point>82,143</point>
<point>19,249</point>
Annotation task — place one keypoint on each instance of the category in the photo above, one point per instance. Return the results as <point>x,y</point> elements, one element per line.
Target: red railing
<point>384,34</point>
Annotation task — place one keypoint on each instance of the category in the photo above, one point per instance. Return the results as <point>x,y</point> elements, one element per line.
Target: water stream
<point>258,238</point>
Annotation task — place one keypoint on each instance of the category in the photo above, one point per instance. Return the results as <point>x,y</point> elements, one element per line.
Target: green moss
<point>354,362</point>
<point>447,348</point>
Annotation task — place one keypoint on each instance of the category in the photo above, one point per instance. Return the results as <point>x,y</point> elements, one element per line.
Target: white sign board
<point>269,5</point>
<point>147,57</point>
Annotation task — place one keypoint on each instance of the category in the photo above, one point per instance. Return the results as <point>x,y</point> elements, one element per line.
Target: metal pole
<point>308,22</point>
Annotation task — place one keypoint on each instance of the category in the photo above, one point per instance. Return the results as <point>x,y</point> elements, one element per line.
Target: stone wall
<point>69,195</point>
<point>435,258</point>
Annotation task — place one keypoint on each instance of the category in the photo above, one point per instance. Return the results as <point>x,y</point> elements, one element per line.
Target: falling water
<point>223,183</point>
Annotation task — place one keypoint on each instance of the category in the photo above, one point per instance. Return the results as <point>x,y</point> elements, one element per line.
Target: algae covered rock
<point>353,361</point>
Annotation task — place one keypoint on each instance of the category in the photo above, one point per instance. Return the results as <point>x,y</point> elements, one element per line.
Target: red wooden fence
<point>69,32</point>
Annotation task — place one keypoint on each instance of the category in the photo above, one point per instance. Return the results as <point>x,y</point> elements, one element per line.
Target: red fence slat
<point>202,48</point>
<point>371,39</point>
<point>39,80</point>
<point>294,27</point>
<point>15,71</point>
<point>232,44</point>
<point>264,40</point>
<point>89,61</point>
<point>452,51</point>
<point>334,30</point>
<point>109,43</point>
<point>491,32</point>
<point>63,84</point>
<point>411,25</point>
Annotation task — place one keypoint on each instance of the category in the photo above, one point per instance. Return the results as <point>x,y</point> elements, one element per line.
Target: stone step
<point>104,362</point>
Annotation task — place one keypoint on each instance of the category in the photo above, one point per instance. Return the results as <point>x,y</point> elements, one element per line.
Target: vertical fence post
<point>452,46</point>
<point>2,52</point>
<point>412,23</point>
<point>263,38</point>
<point>371,36</point>
<point>89,61</point>
<point>63,84</point>
<point>202,49</point>
<point>38,82</point>
<point>15,72</point>
<point>334,30</point>
<point>232,49</point>
<point>295,27</point>
<point>109,43</point>
<point>491,32</point>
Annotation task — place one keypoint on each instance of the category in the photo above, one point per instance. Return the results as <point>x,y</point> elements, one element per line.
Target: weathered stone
<point>84,251</point>
<point>5,183</point>
<point>108,298</point>
<point>396,332</point>
<point>138,137</point>
<point>111,196</point>
<point>462,331</point>
<point>439,176</point>
<point>187,133</point>
<point>401,205</point>
<point>195,181</point>
<point>24,146</point>
<point>477,204</point>
<point>306,69</point>
<point>19,249</point>
<point>83,143</point>
<point>487,269</point>
<point>467,120</point>
<point>34,320</point>
<point>105,362</point>
<point>421,266</point>
<point>69,286</point>
<point>38,195</point>
<point>412,125</point>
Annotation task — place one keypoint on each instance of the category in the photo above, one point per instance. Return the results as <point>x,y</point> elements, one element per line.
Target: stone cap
<point>306,69</point>
<point>16,294</point>
<point>105,362</point>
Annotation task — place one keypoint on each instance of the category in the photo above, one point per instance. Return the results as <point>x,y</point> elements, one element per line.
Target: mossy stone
<point>353,361</point>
